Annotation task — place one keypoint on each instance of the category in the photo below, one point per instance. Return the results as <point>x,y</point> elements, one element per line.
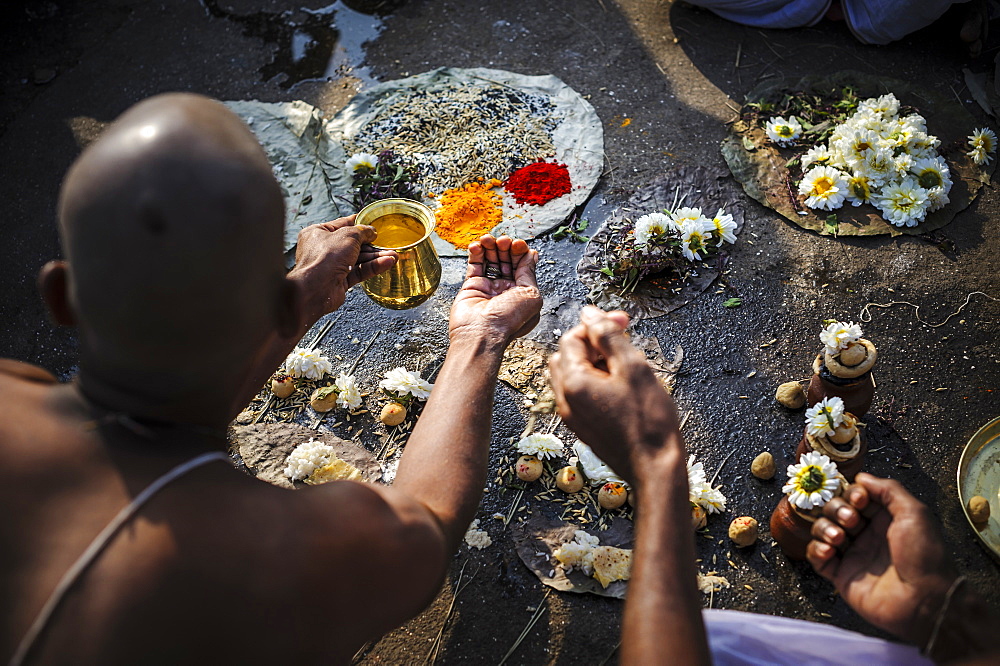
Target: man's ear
<point>53,285</point>
<point>290,311</point>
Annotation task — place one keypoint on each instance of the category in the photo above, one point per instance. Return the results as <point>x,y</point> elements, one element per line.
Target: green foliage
<point>572,231</point>
<point>732,303</point>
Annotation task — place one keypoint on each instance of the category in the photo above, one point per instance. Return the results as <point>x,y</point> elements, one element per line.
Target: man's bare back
<point>196,313</point>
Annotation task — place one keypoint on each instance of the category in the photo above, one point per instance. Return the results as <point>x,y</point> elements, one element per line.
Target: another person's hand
<point>332,257</point>
<point>880,547</point>
<point>499,299</point>
<point>608,395</point>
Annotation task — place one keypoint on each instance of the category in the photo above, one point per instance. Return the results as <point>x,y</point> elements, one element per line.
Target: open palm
<point>499,297</point>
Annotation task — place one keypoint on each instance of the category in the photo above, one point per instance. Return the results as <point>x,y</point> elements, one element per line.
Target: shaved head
<point>171,223</point>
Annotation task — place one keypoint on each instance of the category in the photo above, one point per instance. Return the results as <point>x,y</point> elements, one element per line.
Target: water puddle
<point>311,44</point>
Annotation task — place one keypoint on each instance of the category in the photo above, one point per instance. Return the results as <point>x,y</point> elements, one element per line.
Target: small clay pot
<point>848,468</point>
<point>857,394</point>
<point>791,530</point>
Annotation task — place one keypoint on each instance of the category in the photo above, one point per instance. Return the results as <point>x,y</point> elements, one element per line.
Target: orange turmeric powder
<point>468,212</point>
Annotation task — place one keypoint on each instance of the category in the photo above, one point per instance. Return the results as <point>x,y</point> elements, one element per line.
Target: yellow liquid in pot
<point>397,230</point>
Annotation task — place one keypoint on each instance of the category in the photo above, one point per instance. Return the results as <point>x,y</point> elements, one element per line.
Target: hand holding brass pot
<point>405,226</point>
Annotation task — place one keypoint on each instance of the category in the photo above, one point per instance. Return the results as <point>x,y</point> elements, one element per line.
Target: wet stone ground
<point>676,73</point>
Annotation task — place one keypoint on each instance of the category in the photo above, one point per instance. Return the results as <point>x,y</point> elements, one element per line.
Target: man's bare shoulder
<point>25,372</point>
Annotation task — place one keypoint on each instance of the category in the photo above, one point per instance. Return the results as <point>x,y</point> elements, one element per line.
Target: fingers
<point>370,268</point>
<point>888,493</point>
<point>607,336</point>
<point>503,257</point>
<point>340,222</point>
<point>477,259</point>
<point>824,558</point>
<point>524,268</point>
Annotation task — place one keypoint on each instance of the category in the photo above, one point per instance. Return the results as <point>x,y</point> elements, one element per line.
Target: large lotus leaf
<point>578,138</point>
<point>700,187</point>
<point>760,167</point>
<point>291,134</point>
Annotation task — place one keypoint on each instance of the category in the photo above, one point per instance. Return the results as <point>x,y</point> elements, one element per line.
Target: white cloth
<point>752,639</point>
<point>871,21</point>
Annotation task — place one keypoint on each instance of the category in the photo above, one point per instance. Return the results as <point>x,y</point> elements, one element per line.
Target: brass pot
<point>417,272</point>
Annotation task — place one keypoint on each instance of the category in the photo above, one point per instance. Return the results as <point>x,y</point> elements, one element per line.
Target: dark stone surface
<point>676,72</point>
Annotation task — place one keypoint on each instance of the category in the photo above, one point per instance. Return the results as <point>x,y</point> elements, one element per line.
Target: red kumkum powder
<point>538,183</point>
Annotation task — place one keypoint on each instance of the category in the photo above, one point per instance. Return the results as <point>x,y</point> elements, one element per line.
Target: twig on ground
<point>527,629</point>
<point>721,466</point>
<point>436,644</point>
<point>866,316</point>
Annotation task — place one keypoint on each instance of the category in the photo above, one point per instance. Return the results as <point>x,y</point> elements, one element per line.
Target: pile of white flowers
<point>838,335</point>
<point>306,458</point>
<point>400,383</point>
<point>824,417</point>
<point>348,394</point>
<point>307,363</point>
<point>598,472</point>
<point>541,446</point>
<point>875,157</point>
<point>700,491</point>
<point>694,232</point>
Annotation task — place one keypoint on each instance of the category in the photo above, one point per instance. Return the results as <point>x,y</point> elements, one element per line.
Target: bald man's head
<point>172,226</point>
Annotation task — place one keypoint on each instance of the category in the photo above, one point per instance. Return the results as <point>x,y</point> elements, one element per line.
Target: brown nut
<point>699,517</point>
<point>979,509</point>
<point>392,414</point>
<point>854,354</point>
<point>282,386</point>
<point>763,466</point>
<point>791,395</point>
<point>528,468</point>
<point>568,480</point>
<point>611,495</point>
<point>845,432</point>
<point>324,398</point>
<point>743,531</point>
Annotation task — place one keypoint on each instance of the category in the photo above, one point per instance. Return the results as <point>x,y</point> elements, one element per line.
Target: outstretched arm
<point>330,258</point>
<point>608,395</point>
<point>444,464</point>
<point>881,548</point>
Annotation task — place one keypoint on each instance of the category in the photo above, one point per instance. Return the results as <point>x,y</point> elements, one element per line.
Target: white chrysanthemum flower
<point>695,235</point>
<point>859,188</point>
<point>819,155</point>
<point>724,227</point>
<point>839,335</point>
<point>824,187</point>
<point>812,482</point>
<point>348,395</point>
<point>864,120</point>
<point>306,458</point>
<point>904,203</point>
<point>401,382</point>
<point>540,446</point>
<point>924,145</point>
<point>682,215</point>
<point>783,132</point>
<point>306,363</point>
<point>856,144</point>
<point>652,227</point>
<point>902,163</point>
<point>983,143</point>
<point>824,417</point>
<point>937,198</point>
<point>361,160</point>
<point>597,471</point>
<point>886,106</point>
<point>931,172</point>
<point>879,165</point>
<point>700,492</point>
<point>915,123</point>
